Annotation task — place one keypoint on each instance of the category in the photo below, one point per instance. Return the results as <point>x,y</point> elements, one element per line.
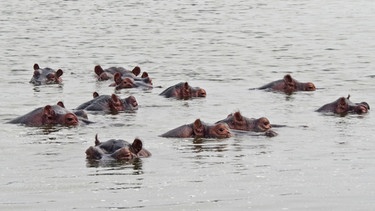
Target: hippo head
<point>238,122</point>
<point>52,78</point>
<point>102,76</point>
<point>343,106</point>
<point>131,102</point>
<point>198,92</point>
<point>128,152</point>
<point>219,130</point>
<point>123,83</point>
<point>94,153</point>
<point>262,125</point>
<point>359,108</point>
<point>309,86</point>
<point>50,117</point>
<point>291,85</point>
<point>46,76</point>
<point>115,104</point>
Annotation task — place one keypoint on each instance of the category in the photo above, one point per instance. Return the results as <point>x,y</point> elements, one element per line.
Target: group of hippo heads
<point>223,128</point>
<point>122,78</point>
<point>341,106</point>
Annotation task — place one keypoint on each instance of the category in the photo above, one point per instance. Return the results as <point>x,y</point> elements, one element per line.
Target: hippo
<point>108,74</point>
<point>46,76</point>
<point>52,115</point>
<point>238,122</point>
<point>199,129</point>
<point>144,82</point>
<point>183,91</point>
<point>117,149</point>
<point>109,104</point>
<point>344,106</point>
<point>289,85</point>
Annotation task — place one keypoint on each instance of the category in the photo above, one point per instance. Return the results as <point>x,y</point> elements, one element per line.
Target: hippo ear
<point>288,78</point>
<point>98,70</point>
<point>48,111</point>
<point>36,74</point>
<point>36,67</point>
<point>238,116</point>
<point>59,73</point>
<point>61,104</point>
<point>144,75</point>
<point>136,145</point>
<point>114,98</point>
<point>198,128</point>
<point>95,95</point>
<point>97,142</point>
<point>136,70</point>
<point>186,85</point>
<point>342,101</point>
<point>341,106</point>
<point>117,78</point>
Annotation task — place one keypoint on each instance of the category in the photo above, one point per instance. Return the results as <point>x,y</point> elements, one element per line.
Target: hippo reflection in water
<point>289,85</point>
<point>117,149</point>
<point>46,76</point>
<point>344,106</point>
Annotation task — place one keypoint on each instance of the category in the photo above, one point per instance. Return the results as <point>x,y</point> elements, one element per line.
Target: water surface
<point>318,162</point>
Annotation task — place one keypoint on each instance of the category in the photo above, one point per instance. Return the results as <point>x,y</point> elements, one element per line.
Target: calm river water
<point>318,162</point>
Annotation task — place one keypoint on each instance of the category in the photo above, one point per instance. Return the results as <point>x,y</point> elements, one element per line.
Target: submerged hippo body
<point>108,74</point>
<point>199,129</point>
<point>238,122</point>
<point>289,85</point>
<point>51,115</point>
<point>183,91</point>
<point>344,106</point>
<point>109,104</point>
<point>46,76</point>
<point>116,149</point>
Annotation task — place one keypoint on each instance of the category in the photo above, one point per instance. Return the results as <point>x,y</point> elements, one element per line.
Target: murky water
<point>318,162</point>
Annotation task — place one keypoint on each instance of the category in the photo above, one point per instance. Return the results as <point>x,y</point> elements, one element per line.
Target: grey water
<point>317,162</point>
